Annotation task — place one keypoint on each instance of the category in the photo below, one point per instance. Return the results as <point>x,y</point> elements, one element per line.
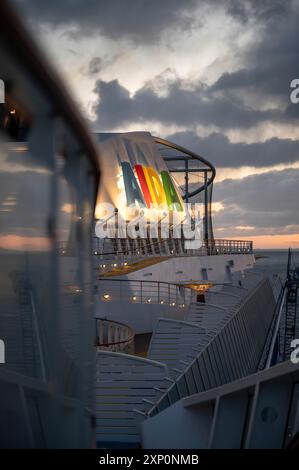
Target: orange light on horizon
<point>23,243</point>
<point>279,241</point>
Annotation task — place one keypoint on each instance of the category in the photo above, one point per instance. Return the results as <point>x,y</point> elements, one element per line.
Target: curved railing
<point>143,292</point>
<point>183,154</point>
<point>114,336</point>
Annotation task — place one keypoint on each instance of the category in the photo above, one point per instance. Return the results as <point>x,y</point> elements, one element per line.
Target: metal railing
<point>114,336</point>
<point>144,292</point>
<point>132,250</point>
<point>222,246</point>
<point>224,357</point>
<point>243,407</point>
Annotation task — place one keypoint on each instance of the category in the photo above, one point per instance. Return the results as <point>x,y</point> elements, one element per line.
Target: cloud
<point>268,64</point>
<point>272,60</point>
<point>222,153</point>
<point>261,11</point>
<point>182,105</point>
<point>97,64</point>
<point>267,202</point>
<point>142,20</point>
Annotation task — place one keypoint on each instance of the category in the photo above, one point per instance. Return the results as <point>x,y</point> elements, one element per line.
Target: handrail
<point>113,327</point>
<point>212,247</point>
<point>143,291</point>
<point>206,348</point>
<point>149,244</point>
<point>131,281</point>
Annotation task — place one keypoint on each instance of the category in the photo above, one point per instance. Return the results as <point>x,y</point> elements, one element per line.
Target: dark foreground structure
<point>48,182</point>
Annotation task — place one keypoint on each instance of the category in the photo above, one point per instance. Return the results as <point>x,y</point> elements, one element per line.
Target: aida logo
<point>146,187</point>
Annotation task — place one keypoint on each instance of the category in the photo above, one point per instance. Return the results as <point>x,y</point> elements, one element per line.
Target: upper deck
<point>156,200</point>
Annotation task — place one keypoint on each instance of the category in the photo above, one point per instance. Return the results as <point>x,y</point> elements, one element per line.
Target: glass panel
<point>25,255</point>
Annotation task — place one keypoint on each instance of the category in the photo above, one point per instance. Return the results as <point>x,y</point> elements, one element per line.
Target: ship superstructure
<point>141,329</point>
<point>197,312</point>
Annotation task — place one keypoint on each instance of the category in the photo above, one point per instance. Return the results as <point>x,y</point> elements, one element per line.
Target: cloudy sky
<point>212,75</point>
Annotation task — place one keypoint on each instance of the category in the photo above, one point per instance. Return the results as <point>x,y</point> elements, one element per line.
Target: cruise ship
<point>124,322</point>
<point>179,320</point>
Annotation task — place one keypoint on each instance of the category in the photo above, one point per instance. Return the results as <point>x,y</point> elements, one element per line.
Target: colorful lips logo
<point>149,189</point>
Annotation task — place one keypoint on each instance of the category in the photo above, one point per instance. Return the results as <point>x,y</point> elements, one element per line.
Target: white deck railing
<point>143,292</point>
<point>114,336</point>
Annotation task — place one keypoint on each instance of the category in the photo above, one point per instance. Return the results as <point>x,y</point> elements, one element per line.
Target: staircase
<point>125,387</point>
<point>221,344</point>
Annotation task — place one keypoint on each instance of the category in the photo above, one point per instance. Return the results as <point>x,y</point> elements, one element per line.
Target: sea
<point>275,261</point>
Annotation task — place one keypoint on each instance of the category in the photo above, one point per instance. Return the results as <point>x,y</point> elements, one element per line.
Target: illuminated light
<point>172,304</point>
<point>161,302</point>
<point>125,264</point>
<point>155,186</point>
<point>104,265</point>
<point>149,300</point>
<point>95,252</point>
<point>106,296</point>
<point>13,111</point>
<point>133,192</point>
<point>172,198</point>
<point>134,298</point>
<point>114,265</point>
<point>67,208</point>
<point>143,184</point>
<point>199,287</point>
<point>19,149</point>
